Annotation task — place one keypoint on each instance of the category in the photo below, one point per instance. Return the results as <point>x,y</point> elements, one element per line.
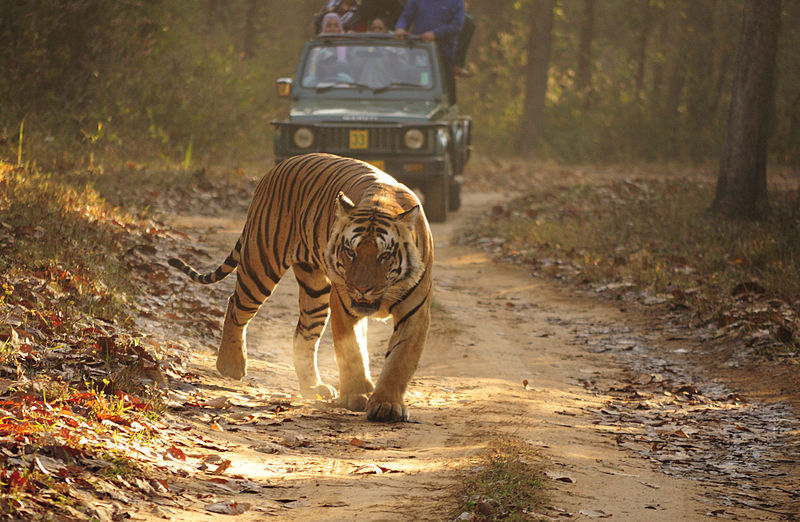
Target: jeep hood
<point>351,110</point>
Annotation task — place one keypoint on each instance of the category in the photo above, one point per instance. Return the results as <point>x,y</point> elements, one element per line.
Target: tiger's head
<point>373,254</point>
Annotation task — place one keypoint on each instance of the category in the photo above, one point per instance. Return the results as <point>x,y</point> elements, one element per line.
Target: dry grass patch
<point>654,240</point>
<point>507,485</point>
<point>78,391</point>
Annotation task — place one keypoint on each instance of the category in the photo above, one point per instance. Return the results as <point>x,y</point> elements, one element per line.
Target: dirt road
<point>618,436</point>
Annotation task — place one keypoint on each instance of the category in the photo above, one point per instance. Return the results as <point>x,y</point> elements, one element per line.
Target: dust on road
<point>494,328</point>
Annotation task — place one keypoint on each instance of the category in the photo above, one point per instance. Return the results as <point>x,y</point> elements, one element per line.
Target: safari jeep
<point>383,101</point>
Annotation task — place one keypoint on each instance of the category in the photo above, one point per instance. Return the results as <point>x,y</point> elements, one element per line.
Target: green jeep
<point>383,101</point>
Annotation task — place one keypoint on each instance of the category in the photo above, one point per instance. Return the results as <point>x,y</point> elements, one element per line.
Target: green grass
<point>507,485</point>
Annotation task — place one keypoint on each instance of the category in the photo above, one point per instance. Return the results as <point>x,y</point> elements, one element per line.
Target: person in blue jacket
<point>439,20</point>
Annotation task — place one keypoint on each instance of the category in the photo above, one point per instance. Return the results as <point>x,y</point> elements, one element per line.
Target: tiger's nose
<point>361,289</point>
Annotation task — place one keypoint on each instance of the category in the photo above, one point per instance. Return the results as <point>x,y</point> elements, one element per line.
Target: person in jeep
<point>374,67</point>
<point>435,20</point>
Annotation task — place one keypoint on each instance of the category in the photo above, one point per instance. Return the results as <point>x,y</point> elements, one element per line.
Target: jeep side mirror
<point>283,87</point>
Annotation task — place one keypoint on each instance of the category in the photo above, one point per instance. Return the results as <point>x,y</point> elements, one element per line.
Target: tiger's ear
<point>344,205</point>
<point>410,216</point>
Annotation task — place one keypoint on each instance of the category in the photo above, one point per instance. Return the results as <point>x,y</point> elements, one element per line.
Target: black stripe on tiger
<point>408,292</point>
<point>409,314</point>
<point>316,294</point>
<point>221,272</point>
<point>317,310</point>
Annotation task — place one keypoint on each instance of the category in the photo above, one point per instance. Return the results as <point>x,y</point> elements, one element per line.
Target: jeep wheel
<point>436,199</point>
<point>455,196</point>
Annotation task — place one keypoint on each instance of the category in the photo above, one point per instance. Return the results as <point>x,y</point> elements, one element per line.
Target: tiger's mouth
<point>365,307</point>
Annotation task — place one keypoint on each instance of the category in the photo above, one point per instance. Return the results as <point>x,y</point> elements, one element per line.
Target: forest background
<point>193,82</point>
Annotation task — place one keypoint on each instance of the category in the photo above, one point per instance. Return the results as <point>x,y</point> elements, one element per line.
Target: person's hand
<point>400,33</point>
<point>428,36</point>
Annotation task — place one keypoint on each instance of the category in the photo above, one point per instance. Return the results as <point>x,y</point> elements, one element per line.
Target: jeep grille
<point>339,139</point>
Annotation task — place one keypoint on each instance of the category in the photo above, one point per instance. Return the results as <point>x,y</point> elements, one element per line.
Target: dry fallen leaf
<point>335,503</point>
<point>594,514</point>
<point>176,453</point>
<point>228,507</point>
<point>560,477</point>
<point>222,402</point>
<point>373,469</point>
<point>37,464</point>
<point>224,465</point>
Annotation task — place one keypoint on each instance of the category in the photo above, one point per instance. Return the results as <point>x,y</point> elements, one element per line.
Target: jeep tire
<point>455,196</point>
<point>436,199</point>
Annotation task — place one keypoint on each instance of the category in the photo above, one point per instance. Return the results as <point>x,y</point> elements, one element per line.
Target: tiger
<point>359,245</point>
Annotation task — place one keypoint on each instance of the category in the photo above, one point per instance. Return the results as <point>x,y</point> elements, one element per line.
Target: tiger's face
<point>373,255</point>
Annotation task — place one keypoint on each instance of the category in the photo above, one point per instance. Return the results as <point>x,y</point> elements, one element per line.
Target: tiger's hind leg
<point>352,358</point>
<point>243,304</point>
<point>315,292</point>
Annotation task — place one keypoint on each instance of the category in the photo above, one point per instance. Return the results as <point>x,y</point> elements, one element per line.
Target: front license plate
<point>359,139</point>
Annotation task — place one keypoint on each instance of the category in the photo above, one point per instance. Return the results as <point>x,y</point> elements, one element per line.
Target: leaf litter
<point>744,453</point>
<point>87,440</point>
<point>85,398</point>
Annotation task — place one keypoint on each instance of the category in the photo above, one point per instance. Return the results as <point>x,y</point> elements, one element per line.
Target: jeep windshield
<point>358,65</point>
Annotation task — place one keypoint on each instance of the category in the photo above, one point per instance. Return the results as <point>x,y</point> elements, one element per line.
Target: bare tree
<point>646,25</point>
<point>250,28</point>
<point>680,46</point>
<point>213,8</point>
<point>742,178</point>
<point>538,53</point>
<point>583,77</point>
<point>662,36</point>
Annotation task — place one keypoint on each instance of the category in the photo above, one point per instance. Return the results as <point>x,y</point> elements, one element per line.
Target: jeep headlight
<point>303,137</point>
<point>414,139</point>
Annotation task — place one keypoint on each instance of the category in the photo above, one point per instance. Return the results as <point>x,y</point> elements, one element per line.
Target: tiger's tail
<point>222,271</point>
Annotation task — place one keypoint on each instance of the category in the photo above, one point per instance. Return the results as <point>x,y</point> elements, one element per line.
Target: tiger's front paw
<point>319,392</point>
<point>386,411</point>
<point>232,363</point>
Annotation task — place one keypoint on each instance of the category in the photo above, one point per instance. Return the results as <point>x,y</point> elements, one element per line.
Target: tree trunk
<point>212,14</point>
<point>584,74</point>
<point>699,94</point>
<point>641,46</point>
<point>249,45</point>
<point>742,178</point>
<point>657,88</point>
<point>538,61</point>
<point>676,79</point>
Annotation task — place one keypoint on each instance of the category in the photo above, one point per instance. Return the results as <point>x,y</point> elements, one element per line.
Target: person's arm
<point>406,17</point>
<point>395,10</point>
<point>454,23</point>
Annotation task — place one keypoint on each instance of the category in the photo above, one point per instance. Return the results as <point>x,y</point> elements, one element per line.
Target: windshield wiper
<point>397,85</point>
<point>341,85</point>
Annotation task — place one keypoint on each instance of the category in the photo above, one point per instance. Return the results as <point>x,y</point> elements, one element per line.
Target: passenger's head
<point>378,25</point>
<point>331,24</point>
